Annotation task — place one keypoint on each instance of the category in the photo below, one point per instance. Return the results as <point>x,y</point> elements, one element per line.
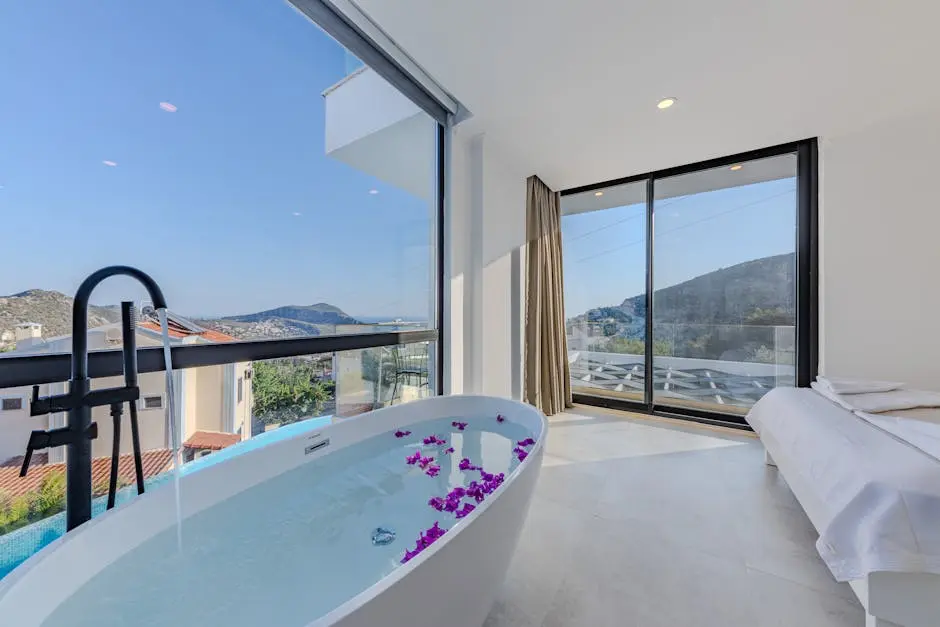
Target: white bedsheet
<point>880,496</point>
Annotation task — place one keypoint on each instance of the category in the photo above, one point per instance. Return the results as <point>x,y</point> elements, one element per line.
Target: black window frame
<point>5,400</point>
<point>807,275</point>
<point>53,368</point>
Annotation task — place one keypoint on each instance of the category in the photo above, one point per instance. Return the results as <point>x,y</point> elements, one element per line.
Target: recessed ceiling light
<point>665,103</point>
<point>110,164</point>
<point>598,193</point>
<point>168,107</point>
<point>373,191</point>
<point>736,167</point>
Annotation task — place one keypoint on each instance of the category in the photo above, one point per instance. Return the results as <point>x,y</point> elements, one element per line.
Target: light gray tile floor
<point>651,523</point>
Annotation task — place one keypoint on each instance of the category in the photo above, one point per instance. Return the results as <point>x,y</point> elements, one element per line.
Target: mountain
<point>53,310</point>
<point>321,313</point>
<point>261,329</point>
<point>729,314</point>
<point>730,295</point>
<point>282,322</point>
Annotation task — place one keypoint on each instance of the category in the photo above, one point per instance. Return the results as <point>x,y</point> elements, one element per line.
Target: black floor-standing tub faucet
<point>80,430</point>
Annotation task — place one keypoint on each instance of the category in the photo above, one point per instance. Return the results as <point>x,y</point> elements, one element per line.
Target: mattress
<point>878,497</point>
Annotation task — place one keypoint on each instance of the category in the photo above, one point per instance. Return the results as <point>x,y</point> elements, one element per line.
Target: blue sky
<point>605,251</point>
<point>203,198</point>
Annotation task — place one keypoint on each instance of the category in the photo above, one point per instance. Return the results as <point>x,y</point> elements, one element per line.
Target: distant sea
<point>378,319</point>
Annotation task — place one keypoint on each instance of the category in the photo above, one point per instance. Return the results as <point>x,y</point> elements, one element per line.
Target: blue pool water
<point>298,545</point>
<point>18,546</point>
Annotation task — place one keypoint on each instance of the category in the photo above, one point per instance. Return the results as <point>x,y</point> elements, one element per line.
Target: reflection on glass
<point>378,377</point>
<point>724,303</point>
<point>604,250</point>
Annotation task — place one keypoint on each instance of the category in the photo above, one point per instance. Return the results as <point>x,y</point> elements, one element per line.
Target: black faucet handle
<point>37,440</point>
<point>51,404</point>
<point>40,439</point>
<point>36,405</point>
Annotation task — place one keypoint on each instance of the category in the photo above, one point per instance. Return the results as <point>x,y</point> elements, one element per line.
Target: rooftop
<point>154,463</point>
<point>211,440</point>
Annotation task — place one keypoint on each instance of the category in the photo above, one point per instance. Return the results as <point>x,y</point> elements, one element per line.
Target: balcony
<point>367,119</point>
<point>726,384</point>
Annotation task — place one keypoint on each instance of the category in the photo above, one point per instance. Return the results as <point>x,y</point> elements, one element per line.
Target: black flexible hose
<point>129,346</point>
<point>116,411</point>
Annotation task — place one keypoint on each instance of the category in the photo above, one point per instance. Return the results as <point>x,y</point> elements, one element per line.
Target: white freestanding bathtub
<point>453,582</point>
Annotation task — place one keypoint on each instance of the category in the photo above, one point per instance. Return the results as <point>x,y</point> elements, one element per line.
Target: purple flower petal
<point>500,418</point>
<point>522,455</point>
<point>424,462</point>
<point>437,503</point>
<point>467,508</point>
<point>526,442</point>
<point>401,434</point>
<point>425,539</point>
<point>449,450</point>
<point>413,459</point>
<point>460,425</point>
<point>432,471</point>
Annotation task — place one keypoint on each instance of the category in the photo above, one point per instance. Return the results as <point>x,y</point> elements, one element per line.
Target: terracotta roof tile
<point>212,440</point>
<point>180,332</point>
<point>154,463</point>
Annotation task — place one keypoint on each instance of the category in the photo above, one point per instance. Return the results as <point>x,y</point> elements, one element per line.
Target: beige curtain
<point>547,382</point>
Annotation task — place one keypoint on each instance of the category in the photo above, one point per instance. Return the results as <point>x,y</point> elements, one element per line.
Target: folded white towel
<point>880,402</point>
<point>857,386</point>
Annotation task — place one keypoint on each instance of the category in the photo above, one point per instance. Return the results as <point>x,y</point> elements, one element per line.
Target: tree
<point>632,346</point>
<point>50,497</point>
<point>46,500</point>
<point>287,390</point>
<point>772,316</point>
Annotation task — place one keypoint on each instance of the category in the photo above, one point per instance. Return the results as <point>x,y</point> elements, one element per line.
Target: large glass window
<point>284,195</point>
<point>700,315</point>
<point>223,148</point>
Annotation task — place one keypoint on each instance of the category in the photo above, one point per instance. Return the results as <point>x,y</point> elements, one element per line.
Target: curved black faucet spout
<point>80,310</point>
<point>78,402</point>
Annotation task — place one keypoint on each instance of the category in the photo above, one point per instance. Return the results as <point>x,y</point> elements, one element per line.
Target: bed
<point>874,500</point>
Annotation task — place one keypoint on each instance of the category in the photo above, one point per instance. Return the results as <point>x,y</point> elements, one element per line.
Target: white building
<point>214,401</point>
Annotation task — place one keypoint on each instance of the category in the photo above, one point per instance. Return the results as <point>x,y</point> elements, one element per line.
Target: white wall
<point>880,252</point>
<point>879,255</point>
<point>486,238</point>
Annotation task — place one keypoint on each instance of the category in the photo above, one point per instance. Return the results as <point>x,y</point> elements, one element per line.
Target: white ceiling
<point>569,87</point>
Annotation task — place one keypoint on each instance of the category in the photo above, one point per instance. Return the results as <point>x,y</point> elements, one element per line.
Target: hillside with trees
<point>53,310</point>
<point>731,313</point>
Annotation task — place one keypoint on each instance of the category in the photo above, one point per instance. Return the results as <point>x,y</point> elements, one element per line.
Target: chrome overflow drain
<point>382,536</point>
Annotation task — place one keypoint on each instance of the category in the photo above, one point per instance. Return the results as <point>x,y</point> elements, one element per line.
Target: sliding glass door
<point>724,271</point>
<point>690,290</point>
<point>604,235</point>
